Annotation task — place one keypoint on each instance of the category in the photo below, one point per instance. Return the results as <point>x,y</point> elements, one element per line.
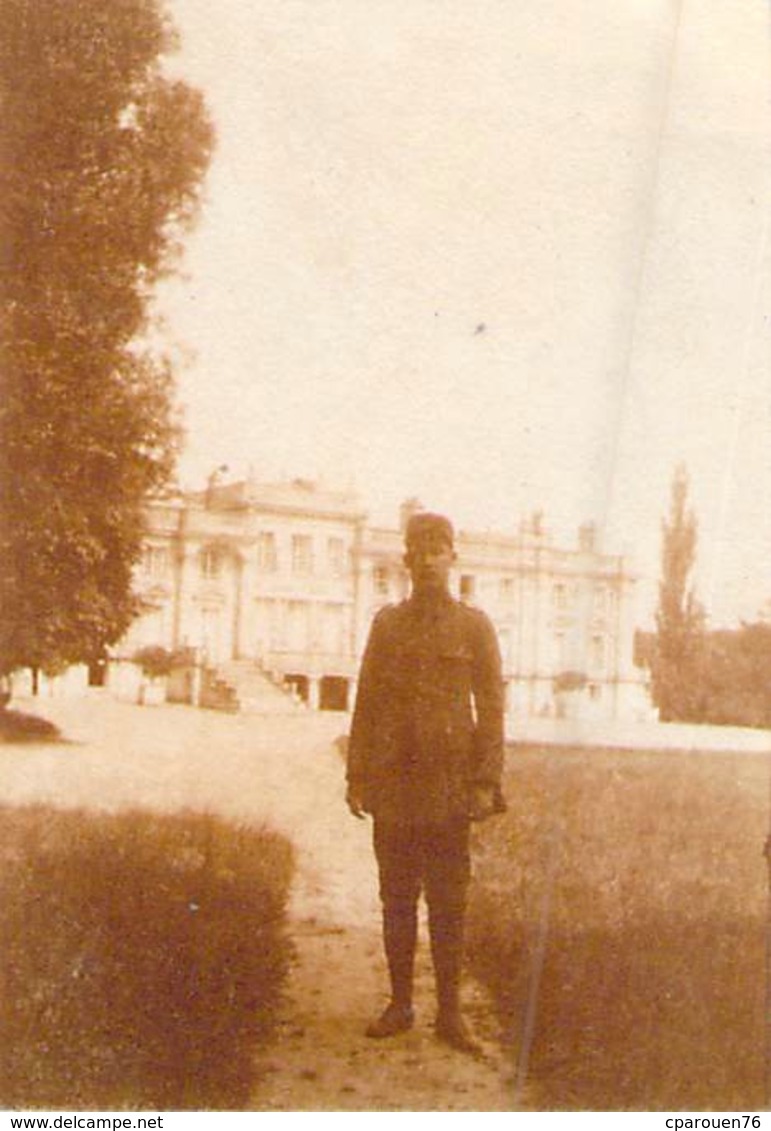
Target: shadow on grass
<point>624,897</point>
<point>16,726</point>
<point>144,958</point>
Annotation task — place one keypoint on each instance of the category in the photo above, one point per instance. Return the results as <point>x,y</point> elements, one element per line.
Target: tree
<point>737,676</point>
<point>678,651</point>
<point>102,158</point>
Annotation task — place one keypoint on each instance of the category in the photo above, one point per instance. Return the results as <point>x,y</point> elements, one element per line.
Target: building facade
<point>287,577</point>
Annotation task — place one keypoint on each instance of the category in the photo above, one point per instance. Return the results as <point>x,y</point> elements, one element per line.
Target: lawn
<point>143,957</point>
<point>619,914</point>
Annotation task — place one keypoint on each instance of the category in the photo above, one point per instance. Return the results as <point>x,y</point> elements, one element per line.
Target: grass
<point>144,958</point>
<point>619,916</point>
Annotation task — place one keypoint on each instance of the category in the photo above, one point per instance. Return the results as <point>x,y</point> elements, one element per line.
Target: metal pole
<point>767,1075</point>
<point>554,845</point>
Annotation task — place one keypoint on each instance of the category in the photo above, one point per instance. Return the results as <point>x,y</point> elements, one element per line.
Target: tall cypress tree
<point>101,160</point>
<point>679,645</point>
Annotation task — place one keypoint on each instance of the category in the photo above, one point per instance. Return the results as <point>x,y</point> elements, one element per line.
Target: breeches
<point>434,859</point>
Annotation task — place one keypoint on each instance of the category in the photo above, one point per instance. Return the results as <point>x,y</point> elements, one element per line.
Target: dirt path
<point>322,1062</point>
<point>286,772</point>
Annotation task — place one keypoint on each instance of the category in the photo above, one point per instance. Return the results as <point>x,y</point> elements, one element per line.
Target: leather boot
<point>394,1019</point>
<point>400,932</point>
<point>447,953</point>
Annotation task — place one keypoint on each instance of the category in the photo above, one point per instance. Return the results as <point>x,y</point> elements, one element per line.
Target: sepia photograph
<point>385,528</point>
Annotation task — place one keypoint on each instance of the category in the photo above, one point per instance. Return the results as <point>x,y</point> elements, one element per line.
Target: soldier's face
<point>429,560</point>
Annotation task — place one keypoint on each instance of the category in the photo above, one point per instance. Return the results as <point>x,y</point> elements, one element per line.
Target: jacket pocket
<point>460,654</point>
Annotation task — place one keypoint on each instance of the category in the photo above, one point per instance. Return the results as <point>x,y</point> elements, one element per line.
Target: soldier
<point>425,759</point>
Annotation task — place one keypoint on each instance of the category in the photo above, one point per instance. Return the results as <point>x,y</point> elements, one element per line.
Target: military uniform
<point>417,744</point>
<point>427,732</point>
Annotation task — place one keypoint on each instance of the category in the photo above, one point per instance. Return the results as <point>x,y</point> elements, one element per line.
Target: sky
<point>504,257</point>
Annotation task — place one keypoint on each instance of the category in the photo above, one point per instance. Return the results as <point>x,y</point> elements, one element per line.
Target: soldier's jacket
<point>428,722</point>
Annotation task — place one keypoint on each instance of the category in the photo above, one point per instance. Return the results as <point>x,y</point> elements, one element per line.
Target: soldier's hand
<point>354,802</point>
<point>483,802</point>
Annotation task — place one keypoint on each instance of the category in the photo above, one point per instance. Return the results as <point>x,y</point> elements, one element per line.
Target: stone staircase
<point>216,694</point>
<point>254,692</point>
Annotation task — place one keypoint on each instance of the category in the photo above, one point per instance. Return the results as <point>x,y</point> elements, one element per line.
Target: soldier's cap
<point>424,524</point>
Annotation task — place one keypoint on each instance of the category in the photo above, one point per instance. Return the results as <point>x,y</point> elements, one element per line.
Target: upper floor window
<point>211,562</point>
<point>302,553</point>
<point>267,558</point>
<point>598,653</point>
<point>467,587</point>
<point>336,556</point>
<point>155,561</point>
<point>506,588</point>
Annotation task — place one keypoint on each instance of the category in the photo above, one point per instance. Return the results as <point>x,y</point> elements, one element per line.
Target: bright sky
<point>501,256</point>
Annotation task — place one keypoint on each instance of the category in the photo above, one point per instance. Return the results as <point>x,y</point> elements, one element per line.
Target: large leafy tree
<point>737,676</point>
<point>677,655</point>
<point>102,156</point>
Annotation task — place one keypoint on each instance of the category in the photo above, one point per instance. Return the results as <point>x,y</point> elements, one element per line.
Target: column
<point>314,692</point>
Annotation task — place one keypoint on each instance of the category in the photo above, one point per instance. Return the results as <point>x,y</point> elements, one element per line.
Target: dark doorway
<point>298,684</point>
<point>333,693</point>
<point>97,672</point>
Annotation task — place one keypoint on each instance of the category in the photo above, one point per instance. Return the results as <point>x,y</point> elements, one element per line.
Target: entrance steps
<point>254,692</point>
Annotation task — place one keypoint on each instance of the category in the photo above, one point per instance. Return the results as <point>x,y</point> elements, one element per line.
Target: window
<point>506,588</point>
<point>380,580</point>
<point>600,598</point>
<point>559,596</point>
<point>267,558</point>
<point>267,625</point>
<point>598,653</point>
<point>334,629</point>
<point>467,587</point>
<point>155,561</point>
<point>211,562</point>
<point>211,633</point>
<point>302,553</point>
<point>336,556</point>
<point>153,625</point>
<point>298,625</point>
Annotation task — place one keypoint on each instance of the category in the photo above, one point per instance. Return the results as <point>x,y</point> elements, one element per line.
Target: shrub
<point>624,896</point>
<point>145,957</point>
<point>155,661</point>
<point>16,726</point>
<point>569,681</point>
